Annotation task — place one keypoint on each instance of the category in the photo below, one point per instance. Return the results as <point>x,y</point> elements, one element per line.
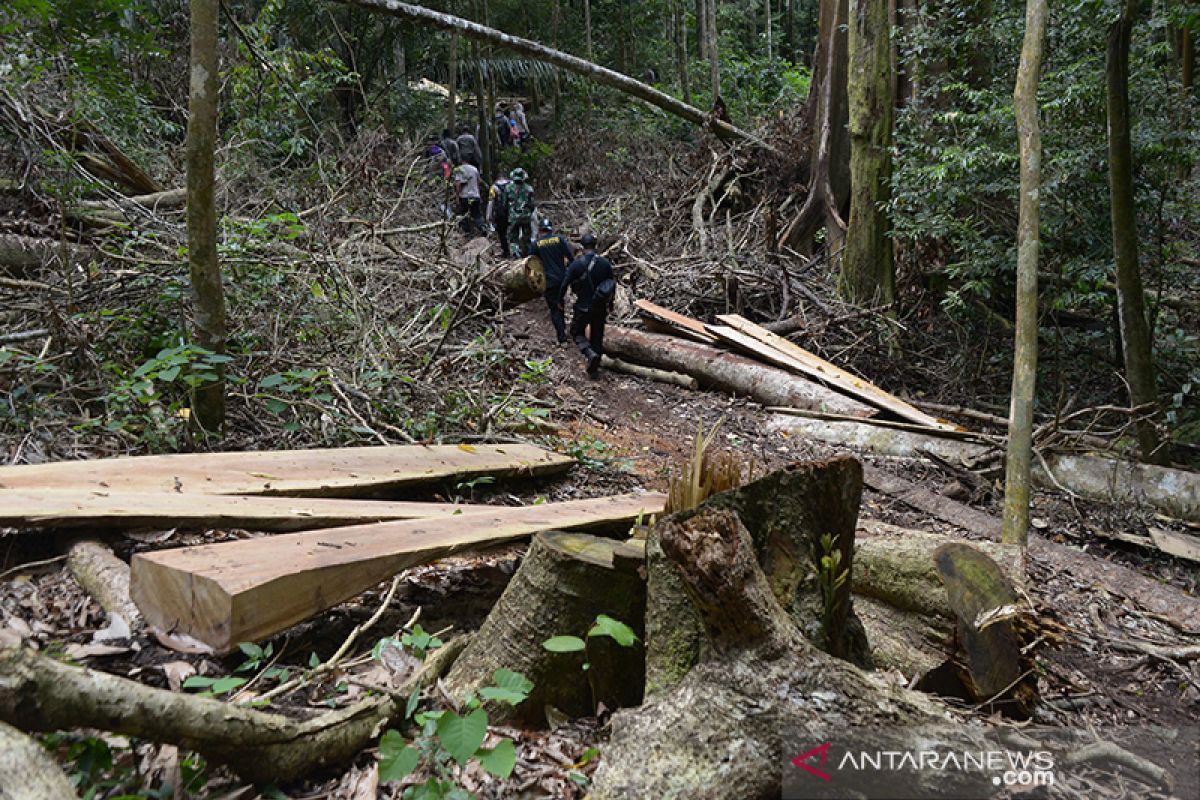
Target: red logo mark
<point>823,750</point>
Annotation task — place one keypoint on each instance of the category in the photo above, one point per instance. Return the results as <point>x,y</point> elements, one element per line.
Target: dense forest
<point>889,425</point>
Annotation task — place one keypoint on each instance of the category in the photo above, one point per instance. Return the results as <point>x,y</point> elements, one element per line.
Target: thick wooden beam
<point>105,510</point>
<point>224,594</point>
<point>342,472</point>
<point>674,322</point>
<point>781,352</point>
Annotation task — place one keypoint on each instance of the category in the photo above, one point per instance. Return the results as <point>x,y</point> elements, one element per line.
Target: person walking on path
<point>468,147</point>
<point>517,115</point>
<point>555,252</point>
<point>497,213</point>
<point>466,189</point>
<point>590,277</point>
<point>521,209</point>
<point>503,129</point>
<point>449,146</point>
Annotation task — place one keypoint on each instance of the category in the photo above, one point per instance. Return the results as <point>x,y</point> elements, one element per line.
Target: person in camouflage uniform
<point>521,211</point>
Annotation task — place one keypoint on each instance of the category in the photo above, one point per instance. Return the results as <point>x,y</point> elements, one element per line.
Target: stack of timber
<point>224,594</point>
<point>816,399</point>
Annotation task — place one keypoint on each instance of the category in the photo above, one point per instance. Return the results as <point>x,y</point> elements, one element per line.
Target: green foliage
<point>564,644</point>
<point>831,578</point>
<point>604,626</point>
<point>212,687</point>
<point>449,739</point>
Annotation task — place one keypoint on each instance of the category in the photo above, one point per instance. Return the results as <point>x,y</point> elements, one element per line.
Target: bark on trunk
<point>1015,528</point>
<point>584,68</point>
<point>27,772</point>
<point>19,253</point>
<point>564,582</point>
<point>452,100</point>
<point>867,275</point>
<point>650,373</point>
<point>208,297</point>
<point>521,281</point>
<point>1136,342</point>
<point>105,577</point>
<point>713,50</point>
<point>826,117</point>
<point>786,514</point>
<point>681,50</point>
<point>704,738</point>
<point>728,372</point>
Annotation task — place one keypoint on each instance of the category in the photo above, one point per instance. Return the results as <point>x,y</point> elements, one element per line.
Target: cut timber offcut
<point>674,322</point>
<point>118,510</point>
<point>340,472</point>
<point>225,594</point>
<point>564,582</point>
<point>789,355</point>
<point>730,373</point>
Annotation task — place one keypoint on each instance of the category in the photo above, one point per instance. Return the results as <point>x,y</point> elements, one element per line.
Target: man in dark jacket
<point>590,277</point>
<point>555,252</point>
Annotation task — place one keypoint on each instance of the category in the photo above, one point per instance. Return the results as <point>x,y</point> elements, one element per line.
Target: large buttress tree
<point>867,274</point>
<point>1131,306</point>
<point>1015,528</point>
<point>208,295</point>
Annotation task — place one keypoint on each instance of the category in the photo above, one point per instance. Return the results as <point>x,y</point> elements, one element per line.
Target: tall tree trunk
<point>770,34</point>
<point>714,58</point>
<point>702,30</point>
<point>539,52</point>
<point>789,30</point>
<point>826,120</point>
<point>868,275</point>
<point>483,121</point>
<point>587,28</point>
<point>1015,528</point>
<point>1187,58</point>
<point>452,104</point>
<point>208,295</point>
<point>1135,331</point>
<point>681,49</point>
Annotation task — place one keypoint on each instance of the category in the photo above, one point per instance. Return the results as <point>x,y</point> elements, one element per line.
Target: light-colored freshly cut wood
<point>650,373</point>
<point>338,472</point>
<point>105,577</point>
<point>685,326</point>
<point>778,350</point>
<point>731,373</point>
<point>113,510</point>
<point>224,594</point>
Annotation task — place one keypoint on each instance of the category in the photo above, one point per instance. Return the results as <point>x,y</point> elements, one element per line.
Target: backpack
<point>520,201</point>
<point>516,130</point>
<point>604,291</point>
<point>500,201</point>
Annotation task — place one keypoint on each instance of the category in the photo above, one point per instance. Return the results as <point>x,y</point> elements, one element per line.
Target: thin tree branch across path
<point>557,58</point>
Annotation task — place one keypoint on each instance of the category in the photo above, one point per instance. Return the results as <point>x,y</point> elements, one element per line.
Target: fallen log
<point>724,730</point>
<point>27,772</point>
<point>650,373</point>
<point>564,582</point>
<point>1174,492</point>
<point>167,200</point>
<point>243,591</point>
<point>728,372</point>
<point>779,351</point>
<point>105,577</point>
<point>522,281</point>
<point>38,693</point>
<point>336,472</point>
<point>943,508</point>
<point>19,253</point>
<point>120,510</point>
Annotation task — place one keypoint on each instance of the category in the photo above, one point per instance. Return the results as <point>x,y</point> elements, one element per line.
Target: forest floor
<point>625,432</point>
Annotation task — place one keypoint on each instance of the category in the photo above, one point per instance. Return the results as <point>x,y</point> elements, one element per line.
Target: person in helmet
<point>521,210</point>
<point>555,252</point>
<point>590,277</point>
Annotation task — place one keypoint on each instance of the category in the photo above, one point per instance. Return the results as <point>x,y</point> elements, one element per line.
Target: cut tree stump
<point>338,472</point>
<point>120,510</point>
<point>27,771</point>
<point>728,372</point>
<point>225,594</point>
<point>786,513</point>
<point>564,582</point>
<point>724,729</point>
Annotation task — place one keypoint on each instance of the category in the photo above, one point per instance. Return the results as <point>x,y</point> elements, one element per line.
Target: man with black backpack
<point>497,213</point>
<point>555,252</point>
<point>590,277</point>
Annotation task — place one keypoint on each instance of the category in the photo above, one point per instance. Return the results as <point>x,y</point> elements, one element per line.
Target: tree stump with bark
<point>564,582</point>
<point>721,731</point>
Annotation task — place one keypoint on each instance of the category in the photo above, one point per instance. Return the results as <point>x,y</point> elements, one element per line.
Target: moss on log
<point>564,582</point>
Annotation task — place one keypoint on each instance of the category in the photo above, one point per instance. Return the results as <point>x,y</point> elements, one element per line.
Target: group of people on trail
<point>589,276</point>
<point>511,125</point>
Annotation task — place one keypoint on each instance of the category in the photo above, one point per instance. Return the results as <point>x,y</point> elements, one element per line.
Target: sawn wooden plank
<point>688,327</point>
<point>104,509</point>
<point>782,352</point>
<point>224,594</point>
<point>339,472</point>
